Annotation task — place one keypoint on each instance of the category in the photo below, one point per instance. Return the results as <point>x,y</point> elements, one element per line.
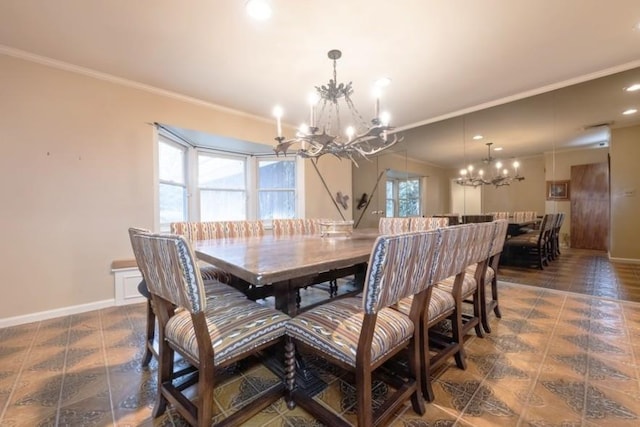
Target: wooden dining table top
<point>269,259</point>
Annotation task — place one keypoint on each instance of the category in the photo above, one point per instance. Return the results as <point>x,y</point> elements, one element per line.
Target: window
<point>403,197</point>
<point>222,187</point>
<point>276,189</point>
<point>226,187</point>
<point>172,176</point>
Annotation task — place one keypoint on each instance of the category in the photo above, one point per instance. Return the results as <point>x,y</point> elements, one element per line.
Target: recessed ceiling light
<point>383,82</point>
<point>633,87</point>
<point>497,149</point>
<point>629,111</point>
<point>260,10</point>
<point>477,137</point>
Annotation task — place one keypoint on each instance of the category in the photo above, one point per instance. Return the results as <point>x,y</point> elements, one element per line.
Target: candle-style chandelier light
<point>502,176</point>
<point>325,135</point>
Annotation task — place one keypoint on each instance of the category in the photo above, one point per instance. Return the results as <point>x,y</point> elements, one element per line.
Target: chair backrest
<point>479,247</point>
<point>452,258</point>
<point>195,231</point>
<point>169,264</point>
<point>288,227</point>
<point>500,215</point>
<point>206,230</point>
<point>393,225</point>
<point>499,236</point>
<point>559,221</point>
<point>242,228</point>
<point>523,216</point>
<point>136,249</point>
<point>297,226</point>
<point>399,266</point>
<point>428,223</point>
<point>530,215</point>
<point>518,216</point>
<point>312,225</point>
<point>546,226</point>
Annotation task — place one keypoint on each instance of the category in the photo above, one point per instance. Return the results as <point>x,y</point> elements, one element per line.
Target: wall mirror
<point>550,134</point>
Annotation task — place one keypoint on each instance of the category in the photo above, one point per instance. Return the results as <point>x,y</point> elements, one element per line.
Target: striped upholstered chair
<point>208,335</point>
<point>360,333</point>
<point>393,225</point>
<point>296,226</point>
<point>475,252</point>
<point>288,227</point>
<point>231,229</point>
<point>437,347</point>
<point>500,215</point>
<point>213,289</point>
<point>491,276</point>
<point>428,223</point>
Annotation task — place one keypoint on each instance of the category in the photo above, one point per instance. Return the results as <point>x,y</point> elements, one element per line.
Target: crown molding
<point>65,66</point>
<point>522,95</point>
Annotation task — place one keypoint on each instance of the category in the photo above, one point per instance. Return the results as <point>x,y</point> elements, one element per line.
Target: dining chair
<point>437,346</point>
<point>496,237</point>
<point>428,223</point>
<point>213,289</point>
<point>393,225</point>
<point>476,250</point>
<point>359,334</point>
<point>533,248</point>
<point>491,276</point>
<point>231,229</point>
<point>210,336</point>
<point>289,227</point>
<point>500,215</point>
<point>555,235</point>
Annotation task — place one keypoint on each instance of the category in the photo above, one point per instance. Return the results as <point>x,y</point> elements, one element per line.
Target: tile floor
<point>554,359</point>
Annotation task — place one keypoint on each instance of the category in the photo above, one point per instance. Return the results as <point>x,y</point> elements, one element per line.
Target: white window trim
<point>396,194</point>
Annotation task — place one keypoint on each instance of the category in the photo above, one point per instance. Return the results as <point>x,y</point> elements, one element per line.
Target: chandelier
<point>502,176</point>
<point>325,135</point>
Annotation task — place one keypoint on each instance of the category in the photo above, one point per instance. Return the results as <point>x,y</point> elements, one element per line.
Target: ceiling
<point>445,58</point>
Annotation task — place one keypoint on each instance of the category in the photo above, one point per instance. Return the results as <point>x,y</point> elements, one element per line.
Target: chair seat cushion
<point>209,272</point>
<point>441,302</point>
<point>216,290</point>
<point>528,239</point>
<point>235,326</point>
<point>488,275</point>
<point>468,284</point>
<point>334,328</point>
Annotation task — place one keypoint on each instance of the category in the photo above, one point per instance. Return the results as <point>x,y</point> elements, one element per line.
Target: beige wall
<point>625,196</point>
<point>77,169</point>
<point>436,193</point>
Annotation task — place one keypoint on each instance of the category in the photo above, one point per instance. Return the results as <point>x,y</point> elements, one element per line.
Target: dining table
<point>284,264</point>
<point>288,263</point>
<point>515,228</point>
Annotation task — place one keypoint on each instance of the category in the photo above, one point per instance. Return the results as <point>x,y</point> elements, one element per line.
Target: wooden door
<point>590,206</point>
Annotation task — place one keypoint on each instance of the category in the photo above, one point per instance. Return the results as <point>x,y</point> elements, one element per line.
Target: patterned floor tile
<point>555,359</point>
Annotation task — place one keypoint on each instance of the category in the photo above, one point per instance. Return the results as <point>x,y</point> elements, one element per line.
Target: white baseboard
<point>624,260</point>
<point>58,312</point>
<point>126,292</point>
